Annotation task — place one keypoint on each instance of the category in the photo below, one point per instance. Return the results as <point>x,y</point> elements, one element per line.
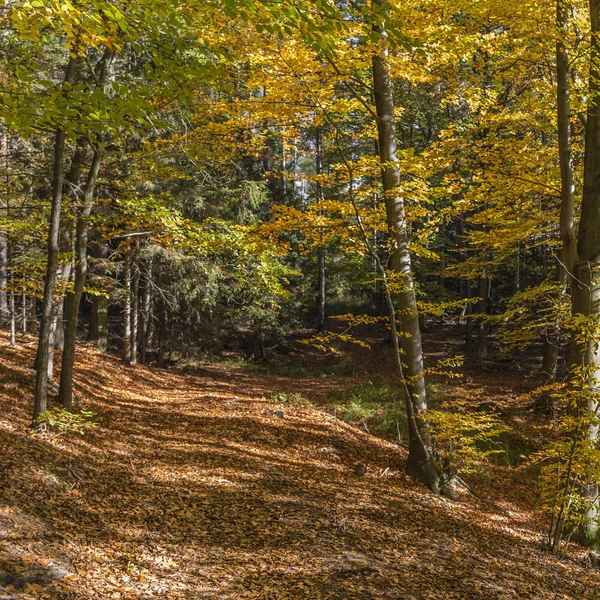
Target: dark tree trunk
<point>568,252</point>
<point>65,393</point>
<point>44,346</point>
<point>99,325</point>
<point>162,333</point>
<point>482,325</point>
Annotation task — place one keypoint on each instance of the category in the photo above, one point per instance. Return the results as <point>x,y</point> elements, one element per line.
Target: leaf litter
<point>194,486</point>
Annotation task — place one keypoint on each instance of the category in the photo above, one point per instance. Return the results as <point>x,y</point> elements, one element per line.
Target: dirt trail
<point>194,486</point>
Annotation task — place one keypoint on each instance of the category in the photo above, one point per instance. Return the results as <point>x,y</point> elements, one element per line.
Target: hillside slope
<point>197,487</point>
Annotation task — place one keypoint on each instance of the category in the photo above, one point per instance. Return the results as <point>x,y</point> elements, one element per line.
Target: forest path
<point>193,486</point>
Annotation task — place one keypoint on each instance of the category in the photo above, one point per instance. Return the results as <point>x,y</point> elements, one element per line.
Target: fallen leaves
<point>191,488</point>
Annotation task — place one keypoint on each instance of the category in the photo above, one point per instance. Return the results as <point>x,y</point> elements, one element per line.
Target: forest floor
<point>204,485</point>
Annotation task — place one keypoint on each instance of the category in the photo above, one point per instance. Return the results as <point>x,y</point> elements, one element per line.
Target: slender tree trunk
<point>568,252</point>
<point>127,309</point>
<point>146,312</point>
<point>135,304</point>
<point>421,463</point>
<point>65,393</point>
<point>4,241</point>
<point>322,253</point>
<point>482,326</point>
<point>283,168</point>
<point>3,278</point>
<point>24,314</point>
<point>162,333</point>
<point>469,325</point>
<point>12,311</point>
<point>44,349</point>
<point>59,327</point>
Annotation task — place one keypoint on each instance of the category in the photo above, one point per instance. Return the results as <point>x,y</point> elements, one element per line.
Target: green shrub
<point>62,421</point>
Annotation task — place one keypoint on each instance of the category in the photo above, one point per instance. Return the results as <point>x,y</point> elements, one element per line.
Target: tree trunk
<point>99,325</point>
<point>127,309</point>
<point>135,304</point>
<point>421,463</point>
<point>586,280</point>
<point>3,277</point>
<point>469,325</point>
<point>162,333</point>
<point>65,393</point>
<point>53,249</point>
<point>12,311</point>
<point>568,252</point>
<point>321,255</point>
<point>146,312</point>
<point>482,326</point>
<point>24,314</point>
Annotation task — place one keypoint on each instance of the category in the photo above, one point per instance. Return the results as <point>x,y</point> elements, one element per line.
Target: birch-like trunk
<point>135,292</point>
<point>321,253</point>
<point>127,309</point>
<point>421,463</point>
<point>146,313</point>
<point>586,280</point>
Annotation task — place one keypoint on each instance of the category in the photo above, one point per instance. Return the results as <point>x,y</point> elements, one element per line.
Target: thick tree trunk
<point>44,347</point>
<point>421,463</point>
<point>65,393</point>
<point>586,280</point>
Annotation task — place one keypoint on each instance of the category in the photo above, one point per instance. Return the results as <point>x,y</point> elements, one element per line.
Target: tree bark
<point>53,249</point>
<point>421,463</point>
<point>99,325</point>
<point>568,252</point>
<point>24,313</point>
<point>135,292</point>
<point>163,338</point>
<point>3,277</point>
<point>321,254</point>
<point>127,310</point>
<point>482,326</point>
<point>586,280</point>
<point>146,312</point>
<point>65,393</point>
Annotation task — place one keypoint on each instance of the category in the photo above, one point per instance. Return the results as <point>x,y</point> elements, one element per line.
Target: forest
<point>300,299</point>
